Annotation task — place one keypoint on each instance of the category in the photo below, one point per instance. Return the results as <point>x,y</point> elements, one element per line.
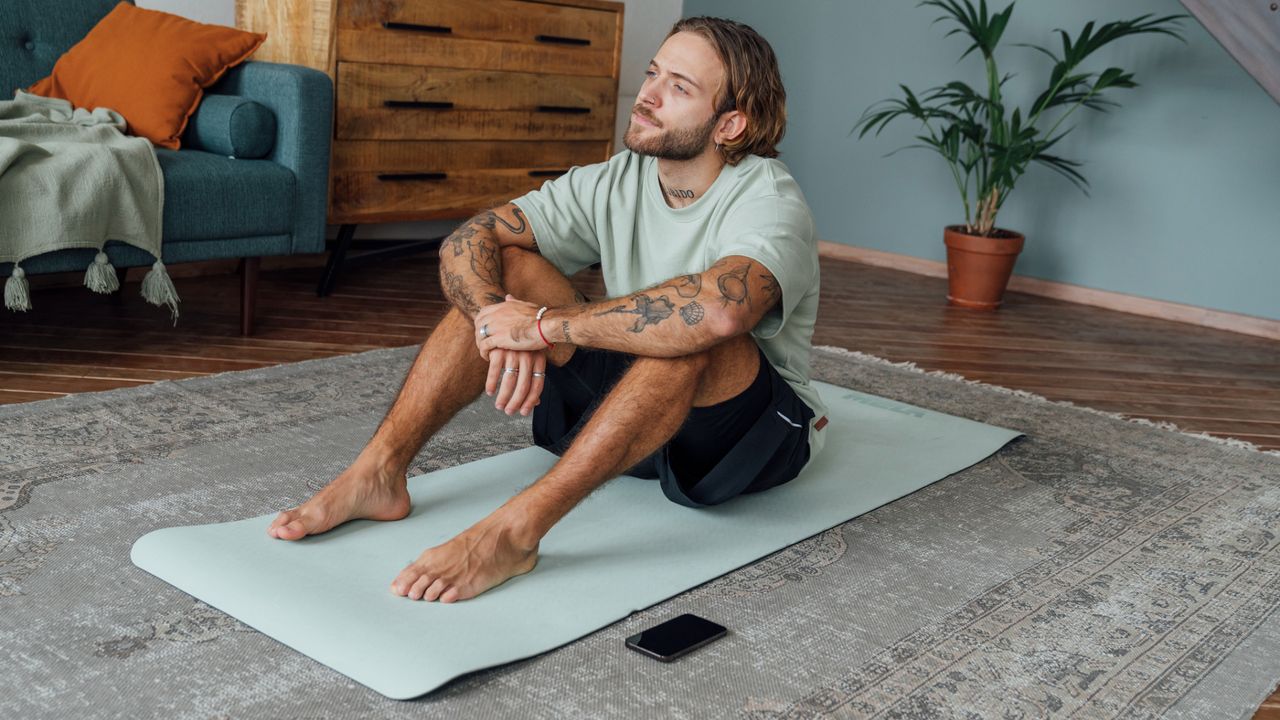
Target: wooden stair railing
<point>1250,31</point>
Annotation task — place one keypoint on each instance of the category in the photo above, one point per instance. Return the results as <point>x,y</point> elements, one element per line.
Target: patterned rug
<point>1095,568</point>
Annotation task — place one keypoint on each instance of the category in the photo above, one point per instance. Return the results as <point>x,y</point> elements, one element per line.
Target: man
<point>695,372</point>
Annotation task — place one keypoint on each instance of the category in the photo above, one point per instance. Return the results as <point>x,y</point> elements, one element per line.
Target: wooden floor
<point>1202,380</point>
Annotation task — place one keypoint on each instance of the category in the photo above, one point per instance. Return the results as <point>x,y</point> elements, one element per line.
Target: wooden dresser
<point>448,107</point>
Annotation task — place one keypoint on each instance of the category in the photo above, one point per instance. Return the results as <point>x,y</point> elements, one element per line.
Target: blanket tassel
<point>157,289</point>
<point>101,275</point>
<point>16,295</point>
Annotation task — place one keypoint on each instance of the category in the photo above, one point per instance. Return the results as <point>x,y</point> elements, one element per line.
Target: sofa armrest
<point>302,100</point>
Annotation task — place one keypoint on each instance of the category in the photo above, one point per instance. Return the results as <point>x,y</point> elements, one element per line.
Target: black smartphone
<point>678,636</point>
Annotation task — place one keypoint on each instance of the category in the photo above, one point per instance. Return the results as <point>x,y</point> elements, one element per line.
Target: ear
<point>730,127</point>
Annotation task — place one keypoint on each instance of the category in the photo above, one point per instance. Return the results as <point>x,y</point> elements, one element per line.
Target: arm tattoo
<point>692,313</point>
<point>650,311</point>
<point>456,290</point>
<point>733,285</point>
<point>484,262</point>
<point>772,291</point>
<point>460,237</point>
<point>515,229</point>
<point>687,286</point>
<point>564,330</point>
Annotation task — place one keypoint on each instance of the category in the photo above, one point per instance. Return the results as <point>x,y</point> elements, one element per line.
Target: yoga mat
<point>624,548</point>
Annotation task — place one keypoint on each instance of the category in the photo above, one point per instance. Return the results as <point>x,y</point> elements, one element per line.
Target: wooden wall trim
<point>1162,309</point>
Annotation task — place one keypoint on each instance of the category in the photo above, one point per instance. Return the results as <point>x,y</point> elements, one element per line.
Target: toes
<point>433,591</point>
<point>284,517</point>
<point>450,595</point>
<point>291,530</point>
<point>419,587</point>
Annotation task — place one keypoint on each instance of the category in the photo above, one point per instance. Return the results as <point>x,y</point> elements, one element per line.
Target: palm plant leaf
<point>987,144</point>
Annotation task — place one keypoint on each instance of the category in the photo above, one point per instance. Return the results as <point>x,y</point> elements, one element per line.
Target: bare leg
<point>640,414</point>
<point>446,376</point>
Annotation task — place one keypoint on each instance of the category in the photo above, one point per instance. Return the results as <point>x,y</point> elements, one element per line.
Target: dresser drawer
<point>404,102</point>
<point>402,180</point>
<point>497,35</point>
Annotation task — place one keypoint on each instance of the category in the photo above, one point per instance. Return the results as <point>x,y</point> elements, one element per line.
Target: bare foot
<point>481,557</point>
<point>359,492</point>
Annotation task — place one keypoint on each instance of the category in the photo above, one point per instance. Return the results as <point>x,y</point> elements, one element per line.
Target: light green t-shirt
<point>613,213</point>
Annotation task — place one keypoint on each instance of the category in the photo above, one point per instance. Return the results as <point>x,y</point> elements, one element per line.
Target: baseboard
<point>1164,310</point>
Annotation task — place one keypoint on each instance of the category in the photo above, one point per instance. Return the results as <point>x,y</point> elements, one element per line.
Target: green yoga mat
<point>624,548</point>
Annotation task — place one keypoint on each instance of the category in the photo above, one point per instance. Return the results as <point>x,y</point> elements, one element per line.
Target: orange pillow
<point>150,66</point>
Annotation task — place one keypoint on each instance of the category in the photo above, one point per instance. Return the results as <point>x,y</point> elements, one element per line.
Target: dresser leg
<point>345,234</point>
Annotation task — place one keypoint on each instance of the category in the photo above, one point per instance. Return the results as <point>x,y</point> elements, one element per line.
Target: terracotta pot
<point>978,267</point>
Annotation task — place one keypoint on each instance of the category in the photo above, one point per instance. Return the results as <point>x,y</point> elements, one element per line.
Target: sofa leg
<point>248,293</point>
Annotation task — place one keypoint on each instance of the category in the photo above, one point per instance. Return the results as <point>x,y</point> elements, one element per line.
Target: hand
<point>510,325</point>
<point>518,390</point>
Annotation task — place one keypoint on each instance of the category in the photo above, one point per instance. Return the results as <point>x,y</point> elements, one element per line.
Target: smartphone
<point>675,637</point>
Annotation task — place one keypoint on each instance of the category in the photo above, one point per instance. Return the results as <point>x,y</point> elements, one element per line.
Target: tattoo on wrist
<point>733,285</point>
<point>564,330</point>
<point>648,310</point>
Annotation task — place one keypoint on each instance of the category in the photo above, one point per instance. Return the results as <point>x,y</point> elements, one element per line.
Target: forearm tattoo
<point>733,285</point>
<point>484,262</point>
<point>687,286</point>
<point>564,330</point>
<point>692,313</point>
<point>456,290</point>
<point>648,311</point>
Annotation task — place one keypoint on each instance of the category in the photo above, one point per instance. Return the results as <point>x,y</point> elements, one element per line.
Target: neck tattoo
<point>683,194</point>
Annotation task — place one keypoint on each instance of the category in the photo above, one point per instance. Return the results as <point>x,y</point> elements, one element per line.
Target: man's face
<point>674,116</point>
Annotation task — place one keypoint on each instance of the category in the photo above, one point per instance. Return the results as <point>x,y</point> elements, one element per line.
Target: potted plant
<point>988,147</point>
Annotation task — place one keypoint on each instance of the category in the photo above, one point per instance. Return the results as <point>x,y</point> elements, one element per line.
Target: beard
<point>682,144</point>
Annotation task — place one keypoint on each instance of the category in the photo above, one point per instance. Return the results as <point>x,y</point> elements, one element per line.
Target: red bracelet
<point>543,311</point>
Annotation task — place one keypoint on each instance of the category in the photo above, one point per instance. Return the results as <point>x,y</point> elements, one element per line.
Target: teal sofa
<point>216,206</point>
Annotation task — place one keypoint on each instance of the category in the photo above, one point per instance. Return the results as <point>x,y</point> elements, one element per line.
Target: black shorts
<point>749,443</point>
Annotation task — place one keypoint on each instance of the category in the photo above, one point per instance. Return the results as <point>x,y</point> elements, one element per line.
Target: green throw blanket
<point>71,178</point>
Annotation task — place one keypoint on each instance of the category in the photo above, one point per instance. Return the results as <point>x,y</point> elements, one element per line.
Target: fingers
<point>537,378</point>
<point>496,363</point>
<point>509,377</point>
<point>523,379</point>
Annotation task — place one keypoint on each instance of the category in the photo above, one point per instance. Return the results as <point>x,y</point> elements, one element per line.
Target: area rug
<point>1094,568</point>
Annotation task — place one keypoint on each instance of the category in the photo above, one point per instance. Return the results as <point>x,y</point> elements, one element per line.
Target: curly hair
<point>753,85</point>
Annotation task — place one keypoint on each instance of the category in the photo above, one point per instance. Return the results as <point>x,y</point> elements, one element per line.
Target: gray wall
<point>1185,176</point>
<point>645,24</point>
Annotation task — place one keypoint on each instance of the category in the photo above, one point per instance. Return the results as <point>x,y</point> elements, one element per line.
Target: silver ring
<point>508,371</point>
<point>484,330</point>
<point>539,374</point>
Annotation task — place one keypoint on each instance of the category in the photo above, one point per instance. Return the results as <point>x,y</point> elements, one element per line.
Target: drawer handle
<point>563,109</point>
<point>417,105</point>
<point>436,29</point>
<point>399,177</point>
<point>547,173</point>
<point>557,40</point>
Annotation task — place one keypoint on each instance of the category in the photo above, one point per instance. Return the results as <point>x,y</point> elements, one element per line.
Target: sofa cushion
<point>150,66</point>
<point>212,196</point>
<point>35,33</point>
<point>233,126</point>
